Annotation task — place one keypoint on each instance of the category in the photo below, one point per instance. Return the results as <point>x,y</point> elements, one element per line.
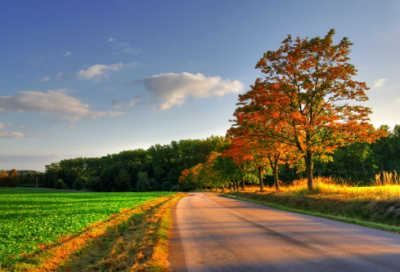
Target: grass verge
<point>344,211</point>
<point>133,240</point>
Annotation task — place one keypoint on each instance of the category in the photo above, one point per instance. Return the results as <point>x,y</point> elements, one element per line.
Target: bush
<point>59,184</point>
<point>94,184</point>
<point>143,183</point>
<point>166,186</point>
<point>176,188</point>
<point>79,183</point>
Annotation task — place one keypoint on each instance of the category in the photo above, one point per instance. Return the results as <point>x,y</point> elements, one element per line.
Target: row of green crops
<point>32,217</point>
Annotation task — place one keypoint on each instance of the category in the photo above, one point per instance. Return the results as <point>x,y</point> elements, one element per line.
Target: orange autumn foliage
<point>306,100</point>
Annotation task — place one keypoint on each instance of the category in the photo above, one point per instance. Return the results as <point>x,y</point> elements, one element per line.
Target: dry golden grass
<point>372,206</point>
<point>386,187</point>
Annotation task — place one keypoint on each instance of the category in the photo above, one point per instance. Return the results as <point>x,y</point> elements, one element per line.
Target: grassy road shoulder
<point>383,214</point>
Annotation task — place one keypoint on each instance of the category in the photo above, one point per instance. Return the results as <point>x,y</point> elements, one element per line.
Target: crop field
<point>30,219</point>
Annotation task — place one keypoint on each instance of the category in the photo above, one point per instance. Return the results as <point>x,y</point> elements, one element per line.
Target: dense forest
<point>160,167</point>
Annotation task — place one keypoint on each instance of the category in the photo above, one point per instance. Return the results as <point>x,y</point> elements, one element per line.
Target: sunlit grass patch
<point>326,187</point>
<point>378,204</point>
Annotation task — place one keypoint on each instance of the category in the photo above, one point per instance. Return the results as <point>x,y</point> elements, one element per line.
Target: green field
<point>32,217</point>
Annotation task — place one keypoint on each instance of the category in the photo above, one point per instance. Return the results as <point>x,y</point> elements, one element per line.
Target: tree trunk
<point>355,171</point>
<point>276,180</point>
<point>260,178</point>
<point>309,173</point>
<point>363,166</point>
<point>243,184</point>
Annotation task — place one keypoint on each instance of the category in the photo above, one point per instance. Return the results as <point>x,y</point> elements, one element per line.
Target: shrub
<point>59,184</point>
<point>79,183</point>
<point>176,188</point>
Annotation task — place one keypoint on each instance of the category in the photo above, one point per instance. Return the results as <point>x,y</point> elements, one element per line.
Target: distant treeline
<point>160,166</point>
<point>157,168</point>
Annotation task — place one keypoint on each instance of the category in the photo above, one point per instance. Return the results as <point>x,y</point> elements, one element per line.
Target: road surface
<point>216,233</point>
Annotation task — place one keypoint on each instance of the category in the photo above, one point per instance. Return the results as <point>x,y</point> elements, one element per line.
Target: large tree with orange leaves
<point>309,93</point>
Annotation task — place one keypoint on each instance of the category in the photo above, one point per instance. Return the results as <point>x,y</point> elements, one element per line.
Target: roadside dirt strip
<point>216,233</point>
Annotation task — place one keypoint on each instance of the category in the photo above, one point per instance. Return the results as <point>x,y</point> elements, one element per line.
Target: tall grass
<point>387,178</point>
<point>385,186</point>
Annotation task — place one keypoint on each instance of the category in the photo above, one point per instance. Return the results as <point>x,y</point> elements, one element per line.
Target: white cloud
<point>379,82</point>
<point>53,101</point>
<point>96,71</point>
<point>172,89</point>
<point>44,79</point>
<point>11,135</point>
<point>6,125</point>
<point>71,126</point>
<point>111,39</point>
<point>67,54</point>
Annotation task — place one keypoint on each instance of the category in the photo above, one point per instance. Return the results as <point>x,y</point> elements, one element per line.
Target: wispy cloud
<point>124,46</point>
<point>67,54</point>
<point>127,48</point>
<point>11,135</point>
<point>53,101</point>
<point>172,89</point>
<point>24,127</point>
<point>108,89</point>
<point>44,79</point>
<point>97,71</point>
<point>379,83</point>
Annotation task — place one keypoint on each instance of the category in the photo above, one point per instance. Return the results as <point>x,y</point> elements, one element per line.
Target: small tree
<point>143,183</point>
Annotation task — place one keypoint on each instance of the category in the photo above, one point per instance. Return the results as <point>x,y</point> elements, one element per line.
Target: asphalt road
<point>215,233</point>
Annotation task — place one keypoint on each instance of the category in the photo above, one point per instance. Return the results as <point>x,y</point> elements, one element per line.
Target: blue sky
<point>91,78</point>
